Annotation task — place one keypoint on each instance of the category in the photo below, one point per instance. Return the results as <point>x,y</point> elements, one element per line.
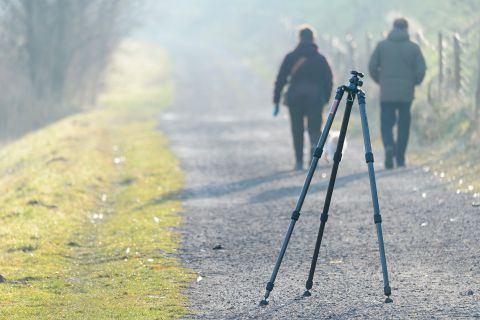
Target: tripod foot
<point>307,293</point>
<point>389,300</point>
<point>263,303</point>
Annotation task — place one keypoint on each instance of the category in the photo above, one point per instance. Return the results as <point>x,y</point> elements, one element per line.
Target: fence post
<point>457,66</point>
<point>418,37</point>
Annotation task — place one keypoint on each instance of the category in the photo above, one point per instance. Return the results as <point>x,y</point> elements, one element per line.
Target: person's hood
<point>306,48</point>
<point>398,35</point>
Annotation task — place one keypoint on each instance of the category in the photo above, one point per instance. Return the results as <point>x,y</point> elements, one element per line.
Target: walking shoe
<point>298,166</point>
<point>388,158</point>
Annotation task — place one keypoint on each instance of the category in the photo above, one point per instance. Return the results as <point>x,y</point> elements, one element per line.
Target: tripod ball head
<point>355,81</point>
<point>357,74</point>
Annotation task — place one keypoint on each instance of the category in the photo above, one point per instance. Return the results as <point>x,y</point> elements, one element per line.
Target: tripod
<point>353,91</point>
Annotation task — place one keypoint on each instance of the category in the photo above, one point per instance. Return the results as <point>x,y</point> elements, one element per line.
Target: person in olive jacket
<point>309,79</point>
<point>397,65</point>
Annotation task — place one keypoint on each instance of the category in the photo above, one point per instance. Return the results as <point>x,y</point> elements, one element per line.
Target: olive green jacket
<point>397,64</point>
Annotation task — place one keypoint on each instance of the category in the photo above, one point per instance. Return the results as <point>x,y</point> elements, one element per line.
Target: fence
<point>453,76</point>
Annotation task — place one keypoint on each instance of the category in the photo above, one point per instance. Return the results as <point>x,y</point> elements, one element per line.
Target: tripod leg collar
<point>369,157</point>
<point>317,152</point>
<point>295,216</point>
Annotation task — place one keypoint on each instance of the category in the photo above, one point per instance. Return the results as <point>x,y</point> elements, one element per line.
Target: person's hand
<point>276,109</point>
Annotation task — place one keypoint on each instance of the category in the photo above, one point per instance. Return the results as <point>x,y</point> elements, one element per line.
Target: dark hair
<point>306,33</point>
<point>400,23</point>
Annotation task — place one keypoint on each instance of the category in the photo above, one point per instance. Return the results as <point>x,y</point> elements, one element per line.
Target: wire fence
<point>452,83</point>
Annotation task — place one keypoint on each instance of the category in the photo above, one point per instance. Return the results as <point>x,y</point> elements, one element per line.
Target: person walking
<point>397,65</point>
<point>309,78</point>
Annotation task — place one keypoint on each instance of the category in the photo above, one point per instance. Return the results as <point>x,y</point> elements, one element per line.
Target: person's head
<point>306,34</point>
<point>400,23</point>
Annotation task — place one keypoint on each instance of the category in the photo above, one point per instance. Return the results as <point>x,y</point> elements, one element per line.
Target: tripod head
<point>355,82</point>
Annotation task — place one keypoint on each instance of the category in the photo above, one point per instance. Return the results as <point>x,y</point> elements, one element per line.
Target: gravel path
<point>240,192</point>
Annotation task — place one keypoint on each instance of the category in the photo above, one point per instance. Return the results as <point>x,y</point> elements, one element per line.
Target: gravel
<point>240,191</point>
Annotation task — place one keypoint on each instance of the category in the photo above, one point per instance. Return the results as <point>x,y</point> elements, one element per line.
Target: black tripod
<point>353,91</point>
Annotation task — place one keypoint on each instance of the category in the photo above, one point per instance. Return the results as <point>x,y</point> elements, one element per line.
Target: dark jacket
<point>308,74</point>
<point>397,64</point>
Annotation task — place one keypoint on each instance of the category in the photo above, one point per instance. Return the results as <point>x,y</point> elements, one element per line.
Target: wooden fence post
<point>418,38</point>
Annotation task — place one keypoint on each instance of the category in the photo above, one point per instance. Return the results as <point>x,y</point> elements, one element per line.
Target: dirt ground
<point>240,191</point>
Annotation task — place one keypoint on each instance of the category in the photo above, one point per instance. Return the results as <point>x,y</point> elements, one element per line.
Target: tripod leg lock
<point>295,215</point>
<point>324,217</point>
<point>377,218</point>
<point>317,152</point>
<point>269,286</point>
<point>309,284</point>
<point>387,290</point>
<point>369,157</point>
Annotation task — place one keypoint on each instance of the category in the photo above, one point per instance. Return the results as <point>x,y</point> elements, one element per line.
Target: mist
<point>257,34</point>
<point>152,156</point>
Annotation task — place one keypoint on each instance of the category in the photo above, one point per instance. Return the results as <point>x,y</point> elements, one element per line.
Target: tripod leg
<point>324,216</point>
<point>296,212</point>
<point>373,187</point>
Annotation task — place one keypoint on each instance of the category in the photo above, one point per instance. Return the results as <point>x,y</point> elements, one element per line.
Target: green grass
<point>454,161</point>
<point>88,206</point>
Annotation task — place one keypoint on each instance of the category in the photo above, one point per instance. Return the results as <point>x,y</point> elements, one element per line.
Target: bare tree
<point>56,52</point>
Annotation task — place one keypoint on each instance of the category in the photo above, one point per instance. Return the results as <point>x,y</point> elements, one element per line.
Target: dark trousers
<point>298,114</point>
<point>398,113</point>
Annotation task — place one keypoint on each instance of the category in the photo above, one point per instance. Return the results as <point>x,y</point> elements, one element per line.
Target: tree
<point>57,52</point>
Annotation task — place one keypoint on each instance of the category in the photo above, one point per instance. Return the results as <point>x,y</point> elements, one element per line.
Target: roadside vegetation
<point>53,58</point>
<point>87,207</point>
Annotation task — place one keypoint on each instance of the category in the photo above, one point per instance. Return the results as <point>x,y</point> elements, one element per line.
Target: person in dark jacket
<point>397,65</point>
<point>309,79</point>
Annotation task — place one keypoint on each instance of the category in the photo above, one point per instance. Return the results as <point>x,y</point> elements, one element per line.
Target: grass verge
<point>455,161</point>
<point>88,206</point>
